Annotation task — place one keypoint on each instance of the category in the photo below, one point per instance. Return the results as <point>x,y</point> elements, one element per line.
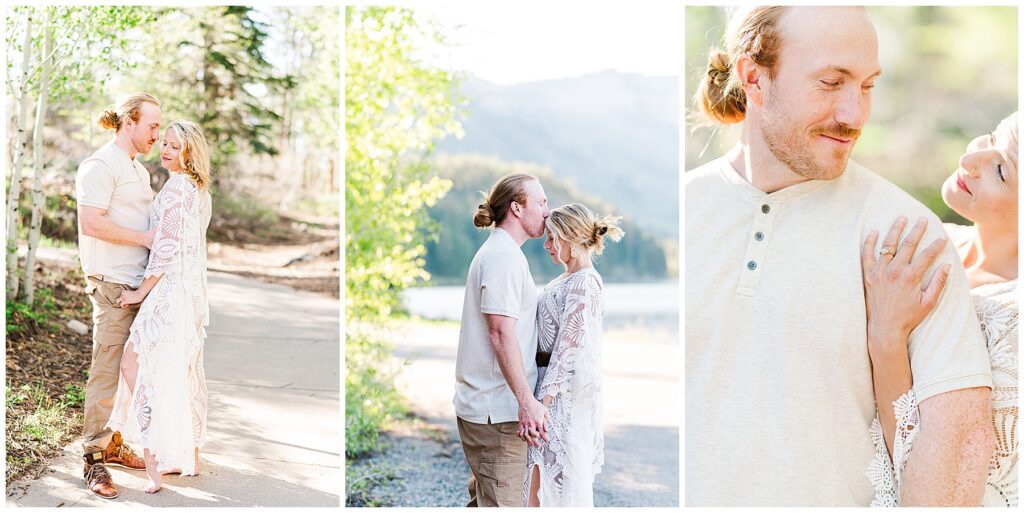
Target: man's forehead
<point>842,38</point>
<point>150,111</point>
<point>534,189</point>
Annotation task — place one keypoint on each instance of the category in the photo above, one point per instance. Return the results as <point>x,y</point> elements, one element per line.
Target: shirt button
<point>751,265</point>
<point>765,209</point>
<point>759,236</point>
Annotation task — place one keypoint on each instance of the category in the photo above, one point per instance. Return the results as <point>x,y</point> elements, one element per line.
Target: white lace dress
<point>569,318</point>
<point>996,306</point>
<point>167,411</point>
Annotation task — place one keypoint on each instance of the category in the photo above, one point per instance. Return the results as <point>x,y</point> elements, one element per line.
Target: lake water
<point>628,306</point>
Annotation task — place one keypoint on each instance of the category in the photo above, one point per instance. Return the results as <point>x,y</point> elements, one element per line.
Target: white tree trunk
<point>38,158</point>
<point>20,146</point>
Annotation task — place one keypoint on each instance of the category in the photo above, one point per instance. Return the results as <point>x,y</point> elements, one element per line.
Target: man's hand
<point>533,422</point>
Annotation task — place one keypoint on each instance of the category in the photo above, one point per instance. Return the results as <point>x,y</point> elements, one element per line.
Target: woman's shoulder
<point>180,182</point>
<point>585,279</point>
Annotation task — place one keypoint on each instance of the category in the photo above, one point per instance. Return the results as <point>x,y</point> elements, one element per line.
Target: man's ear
<point>751,77</point>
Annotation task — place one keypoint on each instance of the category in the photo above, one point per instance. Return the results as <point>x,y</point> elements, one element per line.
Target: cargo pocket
<point>503,482</point>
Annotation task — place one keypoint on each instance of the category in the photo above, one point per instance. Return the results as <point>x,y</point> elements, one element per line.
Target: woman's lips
<point>961,184</point>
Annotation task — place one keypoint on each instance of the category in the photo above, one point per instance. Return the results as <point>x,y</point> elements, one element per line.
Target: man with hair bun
<point>779,398</point>
<point>114,200</point>
<point>496,368</point>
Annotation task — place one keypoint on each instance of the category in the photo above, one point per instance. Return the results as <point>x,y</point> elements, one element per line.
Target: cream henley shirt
<point>779,397</point>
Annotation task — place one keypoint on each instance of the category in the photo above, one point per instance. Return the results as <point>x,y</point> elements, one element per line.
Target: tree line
<point>637,257</point>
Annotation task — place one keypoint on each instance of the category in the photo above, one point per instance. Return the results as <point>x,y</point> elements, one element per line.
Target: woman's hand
<point>896,304</point>
<point>130,297</point>
<point>893,294</point>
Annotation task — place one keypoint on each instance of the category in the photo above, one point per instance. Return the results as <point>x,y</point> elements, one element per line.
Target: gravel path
<point>425,459</point>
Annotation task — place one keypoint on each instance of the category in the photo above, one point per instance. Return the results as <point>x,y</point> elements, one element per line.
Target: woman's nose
<point>969,163</point>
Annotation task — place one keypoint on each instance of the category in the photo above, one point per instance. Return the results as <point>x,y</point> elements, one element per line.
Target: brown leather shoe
<point>99,480</point>
<point>118,453</point>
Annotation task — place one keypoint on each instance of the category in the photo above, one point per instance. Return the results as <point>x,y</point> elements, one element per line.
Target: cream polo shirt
<point>779,397</point>
<point>499,282</point>
<point>110,180</point>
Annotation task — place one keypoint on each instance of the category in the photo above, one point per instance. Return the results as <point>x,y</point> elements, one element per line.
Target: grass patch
<point>363,485</point>
<point>38,427</point>
<point>22,316</point>
<point>46,372</point>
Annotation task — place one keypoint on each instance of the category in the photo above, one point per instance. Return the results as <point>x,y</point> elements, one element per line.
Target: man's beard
<point>143,145</point>
<point>792,148</point>
<point>538,232</point>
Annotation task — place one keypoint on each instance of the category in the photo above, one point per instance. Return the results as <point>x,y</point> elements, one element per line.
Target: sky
<point>515,42</point>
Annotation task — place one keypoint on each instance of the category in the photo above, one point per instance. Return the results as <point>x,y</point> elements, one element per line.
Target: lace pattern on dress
<point>569,318</point>
<point>998,314</point>
<point>166,411</point>
<point>887,475</point>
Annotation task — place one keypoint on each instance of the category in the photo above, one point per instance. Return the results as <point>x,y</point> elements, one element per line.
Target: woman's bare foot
<point>151,471</point>
<point>197,462</point>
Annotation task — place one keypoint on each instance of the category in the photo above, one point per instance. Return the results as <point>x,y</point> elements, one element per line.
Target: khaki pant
<point>497,463</point>
<point>110,328</point>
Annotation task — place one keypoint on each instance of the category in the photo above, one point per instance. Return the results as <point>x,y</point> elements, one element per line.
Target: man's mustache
<point>837,131</point>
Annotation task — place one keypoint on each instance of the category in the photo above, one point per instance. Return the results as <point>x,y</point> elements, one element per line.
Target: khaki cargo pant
<point>497,463</point>
<point>110,328</point>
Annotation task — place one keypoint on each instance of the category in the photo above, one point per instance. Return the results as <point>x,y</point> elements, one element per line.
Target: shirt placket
<point>757,247</point>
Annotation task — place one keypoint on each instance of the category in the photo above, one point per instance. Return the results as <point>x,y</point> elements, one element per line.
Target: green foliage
<point>91,43</point>
<point>74,396</point>
<point>396,107</point>
<point>21,316</point>
<point>215,72</point>
<point>16,396</point>
<point>371,400</point>
<point>927,104</point>
<point>638,256</point>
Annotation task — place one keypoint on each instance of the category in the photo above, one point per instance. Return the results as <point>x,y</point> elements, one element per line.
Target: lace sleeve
<point>887,475</point>
<point>582,299</point>
<point>171,207</point>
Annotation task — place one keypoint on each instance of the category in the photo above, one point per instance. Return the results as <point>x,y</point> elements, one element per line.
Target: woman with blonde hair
<point>161,396</point>
<point>983,190</point>
<point>569,324</point>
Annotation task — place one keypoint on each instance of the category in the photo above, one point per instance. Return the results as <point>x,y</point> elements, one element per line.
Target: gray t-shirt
<point>499,282</point>
<point>779,398</point>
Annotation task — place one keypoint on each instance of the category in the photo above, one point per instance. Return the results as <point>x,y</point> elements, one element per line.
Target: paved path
<point>641,419</point>
<point>274,437</point>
